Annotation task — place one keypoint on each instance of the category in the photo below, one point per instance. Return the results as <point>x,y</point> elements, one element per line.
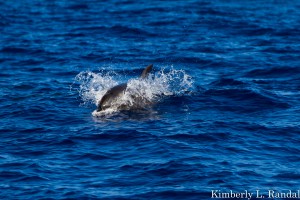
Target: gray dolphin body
<point>116,92</point>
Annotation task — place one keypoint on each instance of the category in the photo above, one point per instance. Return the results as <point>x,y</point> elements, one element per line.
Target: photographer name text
<point>258,194</point>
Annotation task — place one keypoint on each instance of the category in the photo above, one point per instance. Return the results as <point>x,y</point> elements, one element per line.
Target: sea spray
<point>140,93</point>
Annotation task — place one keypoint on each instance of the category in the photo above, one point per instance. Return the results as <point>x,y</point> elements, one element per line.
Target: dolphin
<point>116,92</point>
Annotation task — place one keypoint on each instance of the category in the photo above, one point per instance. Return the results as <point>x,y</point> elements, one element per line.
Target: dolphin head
<point>111,96</point>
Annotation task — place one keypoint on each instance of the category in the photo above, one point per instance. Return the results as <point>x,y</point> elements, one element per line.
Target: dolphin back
<point>146,71</point>
<point>114,93</point>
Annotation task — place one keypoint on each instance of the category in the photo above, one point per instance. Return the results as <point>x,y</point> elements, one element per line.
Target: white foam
<point>139,92</point>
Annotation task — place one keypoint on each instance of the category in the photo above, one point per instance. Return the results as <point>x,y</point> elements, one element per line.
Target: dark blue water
<point>236,128</point>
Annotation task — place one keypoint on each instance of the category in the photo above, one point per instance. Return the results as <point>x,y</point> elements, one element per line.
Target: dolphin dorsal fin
<point>146,71</point>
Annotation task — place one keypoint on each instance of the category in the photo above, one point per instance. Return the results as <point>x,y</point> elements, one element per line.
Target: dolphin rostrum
<point>116,92</point>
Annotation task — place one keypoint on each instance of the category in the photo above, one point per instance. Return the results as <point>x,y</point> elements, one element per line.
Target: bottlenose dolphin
<point>116,92</point>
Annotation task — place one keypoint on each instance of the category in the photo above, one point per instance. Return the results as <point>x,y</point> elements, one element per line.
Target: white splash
<point>139,93</point>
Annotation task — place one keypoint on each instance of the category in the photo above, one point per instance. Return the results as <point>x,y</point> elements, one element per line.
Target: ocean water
<point>225,89</point>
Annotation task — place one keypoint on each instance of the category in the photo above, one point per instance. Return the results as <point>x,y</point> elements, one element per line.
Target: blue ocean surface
<point>225,88</point>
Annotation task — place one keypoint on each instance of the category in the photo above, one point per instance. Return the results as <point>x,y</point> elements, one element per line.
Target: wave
<point>170,194</point>
<point>116,29</point>
<point>274,72</point>
<point>281,50</point>
<point>21,50</point>
<point>77,7</point>
<point>33,178</point>
<point>91,156</point>
<point>227,82</point>
<point>11,174</point>
<point>245,100</point>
